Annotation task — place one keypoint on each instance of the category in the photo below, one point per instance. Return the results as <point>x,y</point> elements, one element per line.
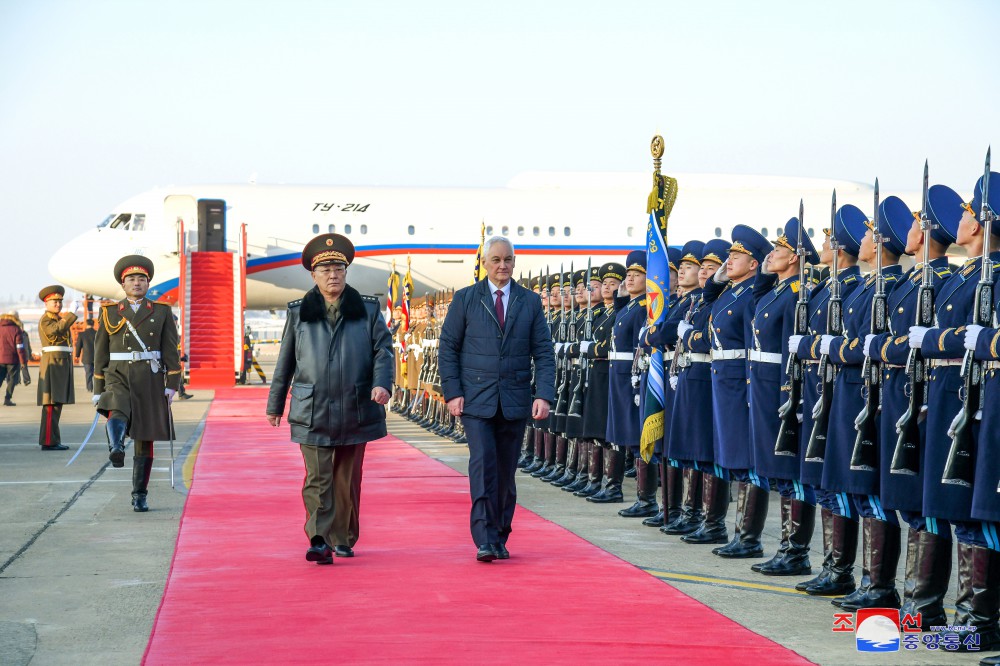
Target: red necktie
<point>500,308</point>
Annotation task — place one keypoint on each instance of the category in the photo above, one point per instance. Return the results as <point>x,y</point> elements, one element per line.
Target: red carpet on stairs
<point>240,591</point>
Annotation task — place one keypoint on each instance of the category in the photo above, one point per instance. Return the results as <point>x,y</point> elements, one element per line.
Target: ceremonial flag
<point>479,271</point>
<point>661,202</point>
<point>392,296</point>
<point>407,293</point>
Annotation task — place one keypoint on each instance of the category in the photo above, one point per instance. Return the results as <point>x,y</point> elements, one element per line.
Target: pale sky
<point>102,100</point>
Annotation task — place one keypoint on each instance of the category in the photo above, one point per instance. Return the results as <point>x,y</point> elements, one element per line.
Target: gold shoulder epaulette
<point>795,287</point>
<point>944,272</point>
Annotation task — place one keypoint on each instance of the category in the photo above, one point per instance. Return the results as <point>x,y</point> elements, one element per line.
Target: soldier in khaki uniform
<point>137,371</point>
<point>55,372</point>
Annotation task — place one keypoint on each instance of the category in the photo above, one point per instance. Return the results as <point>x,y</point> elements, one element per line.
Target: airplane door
<point>179,208</point>
<point>211,225</point>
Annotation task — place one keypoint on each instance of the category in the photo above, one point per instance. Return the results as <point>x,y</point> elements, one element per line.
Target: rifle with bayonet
<point>567,328</point>
<point>866,453</point>
<point>787,443</point>
<point>816,448</point>
<point>906,457</point>
<point>579,391</point>
<point>960,468</point>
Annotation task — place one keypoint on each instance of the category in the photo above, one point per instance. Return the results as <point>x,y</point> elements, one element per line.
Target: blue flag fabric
<point>657,293</point>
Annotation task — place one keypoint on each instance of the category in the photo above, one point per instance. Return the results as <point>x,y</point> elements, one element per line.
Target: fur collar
<point>314,307</point>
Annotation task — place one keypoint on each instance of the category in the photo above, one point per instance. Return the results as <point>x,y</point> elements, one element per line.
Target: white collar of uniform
<point>494,289</point>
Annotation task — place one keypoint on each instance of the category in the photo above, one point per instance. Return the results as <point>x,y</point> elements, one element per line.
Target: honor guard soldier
<point>978,593</point>
<point>557,420</point>
<point>607,464</point>
<point>137,370</point>
<point>928,546</point>
<point>947,497</point>
<point>880,530</point>
<point>706,495</point>
<point>776,292</point>
<point>684,266</point>
<point>730,295</point>
<point>533,432</point>
<point>583,293</point>
<point>55,372</point>
<point>544,440</point>
<point>838,518</point>
<point>624,418</point>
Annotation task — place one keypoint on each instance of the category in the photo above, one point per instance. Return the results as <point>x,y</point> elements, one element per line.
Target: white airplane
<point>553,219</point>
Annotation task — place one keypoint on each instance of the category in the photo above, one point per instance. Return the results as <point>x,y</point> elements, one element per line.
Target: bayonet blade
<point>800,249</point>
<point>923,205</point>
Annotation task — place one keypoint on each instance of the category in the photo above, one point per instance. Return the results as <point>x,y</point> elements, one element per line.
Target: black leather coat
<point>331,370</point>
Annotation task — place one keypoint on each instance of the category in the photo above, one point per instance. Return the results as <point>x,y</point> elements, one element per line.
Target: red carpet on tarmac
<point>240,590</point>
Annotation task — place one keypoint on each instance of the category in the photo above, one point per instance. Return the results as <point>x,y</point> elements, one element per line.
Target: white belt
<point>700,358</point>
<point>68,350</point>
<point>576,362</point>
<point>668,356</point>
<point>993,365</point>
<point>728,354</point>
<point>764,357</point>
<point>943,362</point>
<point>135,356</point>
<point>621,356</point>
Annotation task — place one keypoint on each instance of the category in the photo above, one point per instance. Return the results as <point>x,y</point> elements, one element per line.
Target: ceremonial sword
<point>86,439</point>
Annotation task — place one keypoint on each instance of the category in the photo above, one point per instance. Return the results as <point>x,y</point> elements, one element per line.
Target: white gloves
<point>673,382</point>
<point>868,345</point>
<point>917,334</point>
<point>765,268</point>
<point>824,344</point>
<point>584,346</point>
<point>683,328</point>
<point>972,334</point>
<point>720,275</point>
<point>95,398</point>
<point>793,343</point>
<point>637,401</point>
<point>169,392</point>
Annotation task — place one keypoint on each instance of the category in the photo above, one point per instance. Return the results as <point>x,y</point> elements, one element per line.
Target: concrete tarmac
<point>82,575</point>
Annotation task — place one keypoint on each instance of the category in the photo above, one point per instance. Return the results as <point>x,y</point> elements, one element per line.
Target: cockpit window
<point>125,221</point>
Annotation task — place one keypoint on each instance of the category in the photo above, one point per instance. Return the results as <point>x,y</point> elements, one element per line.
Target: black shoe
<point>8,403</point>
<point>320,554</point>
<point>55,447</point>
<point>830,585</point>
<point>739,550</point>
<point>607,496</point>
<point>705,534</point>
<point>689,524</point>
<point>654,521</point>
<point>639,510</point>
<point>485,553</point>
<point>185,396</point>
<point>502,552</point>
<point>139,503</point>
<point>343,551</point>
<point>630,472</point>
<point>117,457</point>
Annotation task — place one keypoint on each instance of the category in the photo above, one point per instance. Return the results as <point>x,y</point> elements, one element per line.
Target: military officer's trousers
<point>332,492</point>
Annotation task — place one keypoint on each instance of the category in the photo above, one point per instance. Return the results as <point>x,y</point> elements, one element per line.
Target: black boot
<point>691,513</point>
<point>978,599</point>
<point>881,555</point>
<point>582,465</point>
<point>750,526</point>
<point>141,468</point>
<point>843,553</point>
<point>572,464</point>
<point>645,491</point>
<point>629,464</point>
<point>928,572</point>
<point>549,452</point>
<point>785,504</point>
<point>826,525</point>
<point>559,468</point>
<point>715,500</point>
<point>672,482</point>
<point>614,472</point>
<point>595,467</point>
<point>116,442</point>
<point>801,527</point>
<point>539,453</point>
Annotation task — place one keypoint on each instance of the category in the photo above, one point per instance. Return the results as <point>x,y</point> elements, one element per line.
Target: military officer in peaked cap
<point>730,293</point>
<point>880,529</point>
<point>838,518</point>
<point>971,510</point>
<point>607,463</point>
<point>928,546</point>
<point>691,422</point>
<point>555,469</point>
<point>55,372</point>
<point>624,418</point>
<point>137,371</point>
<point>335,350</point>
<point>776,292</point>
<point>685,291</point>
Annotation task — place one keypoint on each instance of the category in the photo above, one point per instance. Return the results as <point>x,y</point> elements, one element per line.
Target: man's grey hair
<point>493,240</point>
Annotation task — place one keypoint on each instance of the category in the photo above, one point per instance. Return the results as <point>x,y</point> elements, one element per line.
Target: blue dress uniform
<point>974,510</point>
<point>691,423</point>
<point>928,547</point>
<point>881,544</point>
<point>840,525</point>
<point>624,419</point>
<point>729,324</point>
<point>773,324</point>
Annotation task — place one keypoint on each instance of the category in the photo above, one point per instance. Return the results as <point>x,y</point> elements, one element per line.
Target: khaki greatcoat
<point>55,372</point>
